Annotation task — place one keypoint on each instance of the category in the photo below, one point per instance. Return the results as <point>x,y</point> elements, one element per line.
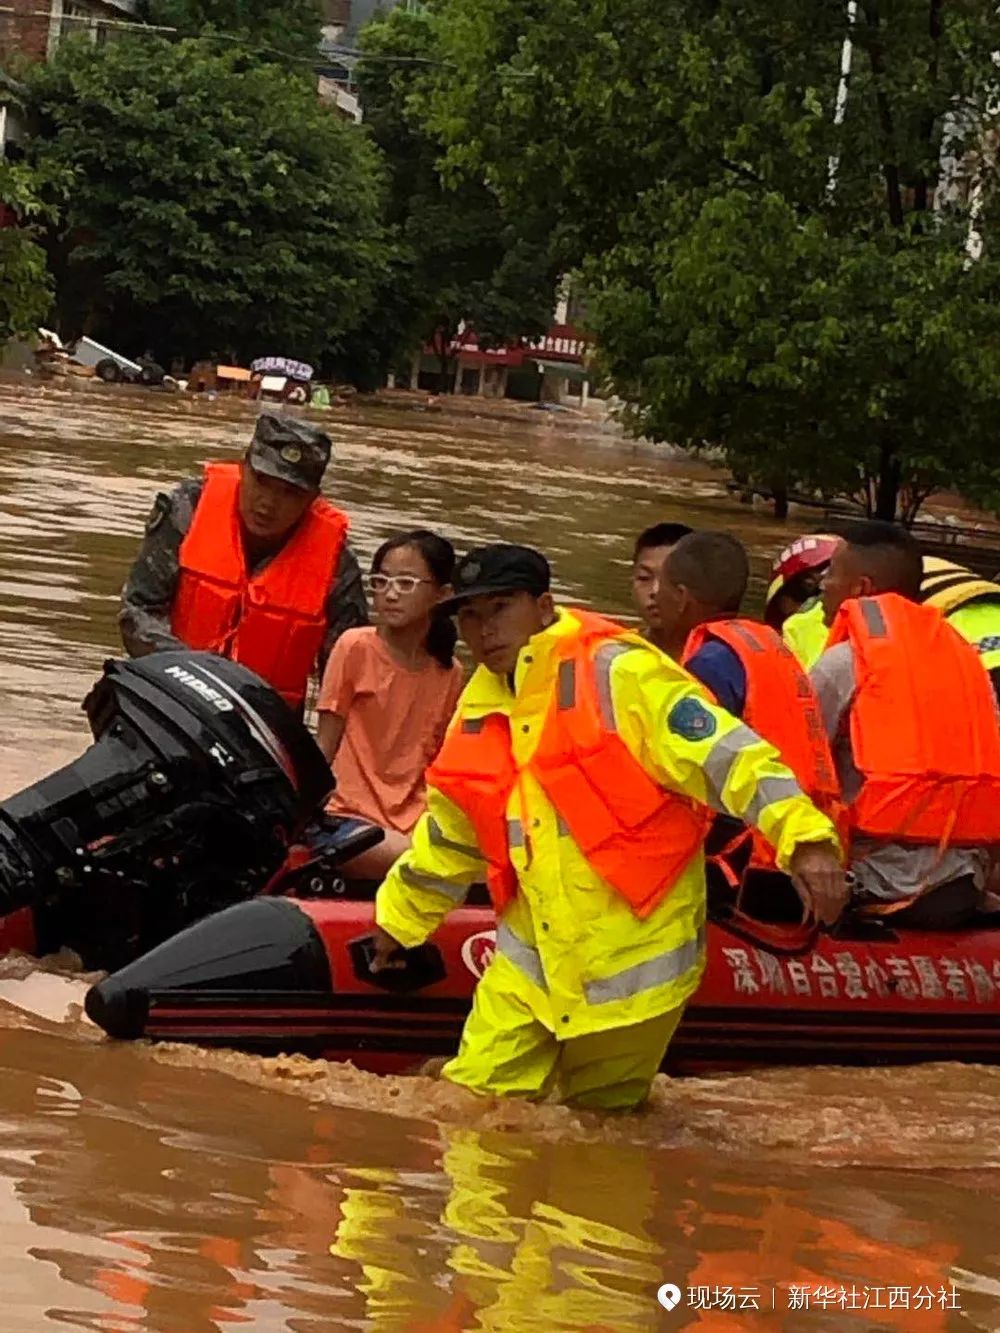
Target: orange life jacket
<point>923,726</point>
<point>781,706</point>
<point>635,835</point>
<point>272,622</point>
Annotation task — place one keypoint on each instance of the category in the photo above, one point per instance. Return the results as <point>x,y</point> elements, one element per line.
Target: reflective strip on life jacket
<point>874,620</point>
<point>566,685</point>
<point>525,957</point>
<point>751,644</point>
<point>659,970</point>
<point>604,658</point>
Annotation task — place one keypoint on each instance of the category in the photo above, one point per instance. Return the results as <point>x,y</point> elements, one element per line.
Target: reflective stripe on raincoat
<point>569,946</point>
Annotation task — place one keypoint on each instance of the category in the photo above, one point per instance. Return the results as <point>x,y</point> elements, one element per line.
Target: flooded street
<point>177,1189</point>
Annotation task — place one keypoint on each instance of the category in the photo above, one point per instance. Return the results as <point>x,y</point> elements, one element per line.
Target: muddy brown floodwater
<point>176,1189</point>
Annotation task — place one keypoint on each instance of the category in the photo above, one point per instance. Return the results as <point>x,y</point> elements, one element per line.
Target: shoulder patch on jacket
<point>690,719</point>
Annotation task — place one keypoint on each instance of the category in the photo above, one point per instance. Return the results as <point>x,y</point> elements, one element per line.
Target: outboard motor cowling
<point>199,778</point>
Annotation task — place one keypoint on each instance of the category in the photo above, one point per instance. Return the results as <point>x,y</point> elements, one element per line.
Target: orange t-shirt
<point>394,723</point>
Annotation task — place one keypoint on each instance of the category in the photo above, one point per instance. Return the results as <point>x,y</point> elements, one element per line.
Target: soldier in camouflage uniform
<point>284,453</point>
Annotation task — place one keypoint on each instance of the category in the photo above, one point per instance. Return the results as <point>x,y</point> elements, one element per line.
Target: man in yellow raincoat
<point>579,774</point>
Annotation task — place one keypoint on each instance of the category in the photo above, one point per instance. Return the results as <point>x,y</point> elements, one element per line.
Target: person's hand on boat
<point>387,953</point>
<point>819,879</point>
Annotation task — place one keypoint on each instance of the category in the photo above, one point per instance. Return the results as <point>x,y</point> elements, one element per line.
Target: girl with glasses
<point>388,693</point>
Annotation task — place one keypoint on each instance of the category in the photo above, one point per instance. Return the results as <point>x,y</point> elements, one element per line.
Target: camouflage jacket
<point>148,595</point>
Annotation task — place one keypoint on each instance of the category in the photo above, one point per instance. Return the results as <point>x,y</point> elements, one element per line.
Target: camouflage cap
<point>290,450</point>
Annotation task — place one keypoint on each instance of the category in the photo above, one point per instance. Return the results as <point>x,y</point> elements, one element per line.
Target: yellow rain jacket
<point>806,634</point>
<point>569,948</point>
<point>969,603</point>
<point>979,624</point>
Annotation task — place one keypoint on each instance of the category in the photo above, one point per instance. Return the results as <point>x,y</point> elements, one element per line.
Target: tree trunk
<point>780,494</point>
<point>921,192</point>
<point>890,168</point>
<point>887,485</point>
<point>911,498</point>
<point>442,342</point>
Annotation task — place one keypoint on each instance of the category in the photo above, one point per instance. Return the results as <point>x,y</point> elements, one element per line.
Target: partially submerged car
<point>111,367</point>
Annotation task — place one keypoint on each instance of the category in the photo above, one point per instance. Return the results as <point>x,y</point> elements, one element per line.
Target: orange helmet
<point>812,553</point>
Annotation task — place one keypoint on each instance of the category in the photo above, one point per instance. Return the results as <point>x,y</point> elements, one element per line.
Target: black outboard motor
<point>199,778</point>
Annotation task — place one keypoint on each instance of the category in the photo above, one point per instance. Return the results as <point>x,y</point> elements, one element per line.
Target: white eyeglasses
<point>404,584</point>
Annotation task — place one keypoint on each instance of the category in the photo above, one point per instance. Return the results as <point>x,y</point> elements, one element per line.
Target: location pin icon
<point>669,1296</point>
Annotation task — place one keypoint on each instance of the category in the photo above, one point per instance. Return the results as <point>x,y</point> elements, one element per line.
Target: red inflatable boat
<point>291,975</point>
<point>200,779</point>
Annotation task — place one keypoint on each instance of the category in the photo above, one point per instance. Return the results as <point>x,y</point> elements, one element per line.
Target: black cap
<point>493,569</point>
<point>290,450</point>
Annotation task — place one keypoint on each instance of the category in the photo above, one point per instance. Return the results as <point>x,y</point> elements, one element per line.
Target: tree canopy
<point>770,270</point>
<point>458,255</point>
<point>214,205</point>
<point>25,286</point>
<point>271,30</point>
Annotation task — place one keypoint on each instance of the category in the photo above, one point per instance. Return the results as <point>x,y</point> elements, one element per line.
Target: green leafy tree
<point>25,288</point>
<point>458,256</point>
<point>769,271</point>
<point>216,207</point>
<point>268,28</point>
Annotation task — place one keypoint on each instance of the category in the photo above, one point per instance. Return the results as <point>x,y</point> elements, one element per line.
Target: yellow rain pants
<point>507,1052</point>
